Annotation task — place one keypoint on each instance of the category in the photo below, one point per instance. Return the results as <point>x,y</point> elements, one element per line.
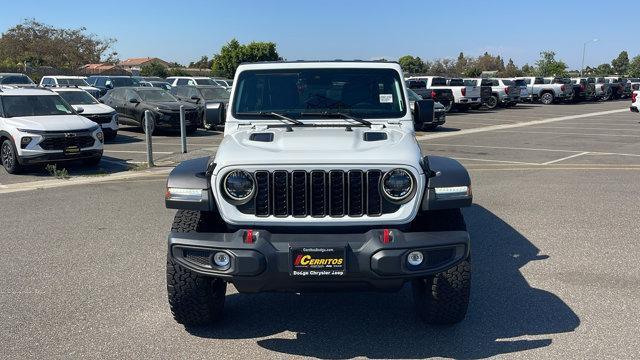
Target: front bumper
<point>371,264</point>
<point>468,100</point>
<point>58,157</point>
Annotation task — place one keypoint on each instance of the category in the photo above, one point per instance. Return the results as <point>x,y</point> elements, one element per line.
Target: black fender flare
<point>4,134</point>
<point>444,172</point>
<point>192,174</point>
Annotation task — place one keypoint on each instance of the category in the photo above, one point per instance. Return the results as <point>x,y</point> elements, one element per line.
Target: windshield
<point>456,82</point>
<point>125,81</point>
<point>72,82</point>
<point>15,79</point>
<point>215,94</point>
<point>77,97</point>
<point>520,83</point>
<point>156,95</point>
<point>35,105</point>
<point>205,82</point>
<point>372,93</point>
<point>470,82</point>
<point>161,84</point>
<point>507,82</point>
<point>439,81</point>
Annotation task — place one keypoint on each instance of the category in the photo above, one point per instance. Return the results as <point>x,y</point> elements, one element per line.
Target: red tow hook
<point>248,237</point>
<point>387,236</point>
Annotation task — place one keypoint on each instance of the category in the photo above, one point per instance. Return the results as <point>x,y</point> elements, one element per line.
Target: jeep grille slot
<point>318,193</point>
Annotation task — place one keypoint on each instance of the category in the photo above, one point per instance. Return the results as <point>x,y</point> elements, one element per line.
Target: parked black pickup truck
<point>584,88</point>
<point>443,96</point>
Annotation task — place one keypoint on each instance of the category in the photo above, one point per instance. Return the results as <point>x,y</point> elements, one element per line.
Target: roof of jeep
<point>25,91</point>
<point>334,64</point>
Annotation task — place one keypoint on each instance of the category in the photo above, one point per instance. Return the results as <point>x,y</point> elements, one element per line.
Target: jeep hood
<point>51,123</point>
<point>317,146</point>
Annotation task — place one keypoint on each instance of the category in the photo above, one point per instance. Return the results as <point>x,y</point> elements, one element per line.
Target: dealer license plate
<point>71,150</point>
<point>317,261</point>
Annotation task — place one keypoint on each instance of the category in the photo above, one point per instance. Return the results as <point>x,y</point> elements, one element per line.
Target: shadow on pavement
<point>503,306</point>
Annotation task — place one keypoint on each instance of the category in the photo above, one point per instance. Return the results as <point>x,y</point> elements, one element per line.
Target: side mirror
<point>423,112</point>
<point>101,100</point>
<point>195,98</point>
<point>79,109</point>
<point>108,85</point>
<point>134,101</point>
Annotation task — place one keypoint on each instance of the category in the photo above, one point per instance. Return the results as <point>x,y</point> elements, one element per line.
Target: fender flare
<point>192,174</point>
<point>444,172</point>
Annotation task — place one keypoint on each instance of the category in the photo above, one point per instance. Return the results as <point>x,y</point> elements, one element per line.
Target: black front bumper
<point>371,264</point>
<point>59,157</point>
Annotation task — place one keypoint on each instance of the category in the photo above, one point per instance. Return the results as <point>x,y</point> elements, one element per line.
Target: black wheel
<point>94,161</point>
<point>9,157</point>
<point>143,124</point>
<point>194,299</point>
<point>547,98</point>
<point>492,102</point>
<point>444,297</point>
<point>608,95</point>
<point>448,106</point>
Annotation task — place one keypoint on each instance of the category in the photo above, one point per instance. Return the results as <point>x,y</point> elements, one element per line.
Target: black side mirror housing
<point>423,112</point>
<point>134,101</point>
<point>195,98</point>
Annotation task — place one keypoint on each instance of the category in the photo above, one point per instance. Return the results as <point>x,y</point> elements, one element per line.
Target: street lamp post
<point>584,48</point>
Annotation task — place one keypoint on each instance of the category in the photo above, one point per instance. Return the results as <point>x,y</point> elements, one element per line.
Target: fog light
<point>415,258</point>
<point>100,136</point>
<point>221,260</point>
<point>25,141</point>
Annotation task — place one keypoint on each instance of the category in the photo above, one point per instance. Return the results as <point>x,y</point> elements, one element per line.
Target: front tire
<point>9,157</point>
<point>444,297</point>
<point>194,299</point>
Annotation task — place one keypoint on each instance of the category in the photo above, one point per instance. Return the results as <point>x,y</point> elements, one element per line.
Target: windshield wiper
<point>282,117</point>
<point>341,114</point>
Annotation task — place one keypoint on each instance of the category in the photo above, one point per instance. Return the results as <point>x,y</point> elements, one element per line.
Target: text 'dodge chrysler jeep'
<point>319,184</point>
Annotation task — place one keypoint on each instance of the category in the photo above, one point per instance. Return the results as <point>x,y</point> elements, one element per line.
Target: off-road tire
<point>9,157</point>
<point>444,297</point>
<point>492,103</point>
<point>547,98</point>
<point>194,299</point>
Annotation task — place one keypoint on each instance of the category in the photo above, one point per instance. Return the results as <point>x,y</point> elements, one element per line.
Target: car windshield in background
<point>205,82</point>
<point>161,84</point>
<point>470,82</point>
<point>439,82</point>
<point>153,78</point>
<point>77,97</point>
<point>507,82</point>
<point>520,83</point>
<point>456,82</point>
<point>120,82</point>
<point>413,96</point>
<point>366,93</point>
<point>18,80</point>
<point>35,105</point>
<point>72,82</point>
<point>215,94</point>
<point>156,96</point>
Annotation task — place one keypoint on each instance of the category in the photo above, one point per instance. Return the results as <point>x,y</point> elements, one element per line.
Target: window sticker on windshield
<point>386,98</point>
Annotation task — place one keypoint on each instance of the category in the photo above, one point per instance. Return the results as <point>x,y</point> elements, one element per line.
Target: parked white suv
<point>191,81</point>
<point>37,127</point>
<point>101,114</point>
<point>70,81</point>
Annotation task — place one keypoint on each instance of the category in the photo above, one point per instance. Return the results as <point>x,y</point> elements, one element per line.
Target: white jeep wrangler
<point>319,184</point>
<point>37,127</point>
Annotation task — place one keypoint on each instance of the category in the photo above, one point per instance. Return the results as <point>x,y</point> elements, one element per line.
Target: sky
<point>185,30</point>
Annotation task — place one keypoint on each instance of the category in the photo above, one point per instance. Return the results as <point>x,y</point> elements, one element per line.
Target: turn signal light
<point>248,237</point>
<point>386,236</point>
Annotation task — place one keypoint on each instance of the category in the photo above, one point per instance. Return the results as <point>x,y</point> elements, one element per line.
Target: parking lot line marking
<point>562,133</point>
<point>498,161</point>
<point>584,128</point>
<point>504,147</point>
<point>537,168</point>
<point>137,151</point>
<point>522,124</point>
<point>565,158</point>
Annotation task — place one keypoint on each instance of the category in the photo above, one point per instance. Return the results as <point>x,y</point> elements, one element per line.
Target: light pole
<point>584,48</point>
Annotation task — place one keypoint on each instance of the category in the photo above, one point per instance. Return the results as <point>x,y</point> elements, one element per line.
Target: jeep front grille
<point>318,193</point>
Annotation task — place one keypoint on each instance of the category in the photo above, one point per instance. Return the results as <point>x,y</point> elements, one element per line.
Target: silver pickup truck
<point>547,94</point>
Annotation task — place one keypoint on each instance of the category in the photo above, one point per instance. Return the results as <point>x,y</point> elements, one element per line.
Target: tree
<point>621,63</point>
<point>634,67</point>
<point>603,70</point>
<point>154,69</point>
<point>38,44</point>
<point>528,70</point>
<point>549,66</point>
<point>511,70</point>
<point>203,63</point>
<point>412,65</point>
<point>233,54</point>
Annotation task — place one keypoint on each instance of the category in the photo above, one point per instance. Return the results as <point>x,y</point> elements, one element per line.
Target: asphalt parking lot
<point>554,240</point>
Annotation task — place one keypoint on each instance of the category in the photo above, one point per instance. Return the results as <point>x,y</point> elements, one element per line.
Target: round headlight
<point>239,186</point>
<point>397,185</point>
